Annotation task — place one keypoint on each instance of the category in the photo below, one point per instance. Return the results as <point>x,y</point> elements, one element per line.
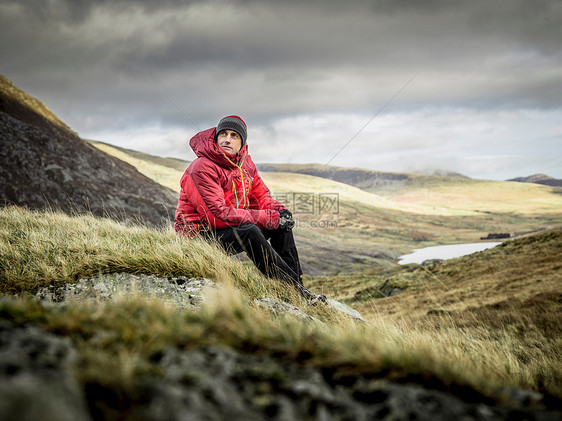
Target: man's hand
<point>286,221</point>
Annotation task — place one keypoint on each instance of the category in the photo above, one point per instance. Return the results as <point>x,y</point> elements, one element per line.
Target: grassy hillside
<point>42,249</point>
<point>165,171</point>
<point>174,163</point>
<point>518,269</point>
<point>483,196</point>
<point>371,229</point>
<point>10,91</point>
<point>447,194</point>
<point>509,296</point>
<point>369,180</point>
<point>422,194</point>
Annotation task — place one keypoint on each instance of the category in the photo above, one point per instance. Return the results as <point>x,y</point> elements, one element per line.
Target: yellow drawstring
<point>244,195</point>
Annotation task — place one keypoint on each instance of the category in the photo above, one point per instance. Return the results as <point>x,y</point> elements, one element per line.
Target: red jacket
<point>221,190</point>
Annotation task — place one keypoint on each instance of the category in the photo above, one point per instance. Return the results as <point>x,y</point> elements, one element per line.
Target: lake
<point>444,252</point>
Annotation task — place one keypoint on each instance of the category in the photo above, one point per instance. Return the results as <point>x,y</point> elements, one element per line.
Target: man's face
<point>229,141</point>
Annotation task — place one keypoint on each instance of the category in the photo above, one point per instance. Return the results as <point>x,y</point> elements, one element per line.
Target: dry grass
<point>118,342</point>
<point>371,229</point>
<point>501,307</point>
<point>162,174</point>
<point>39,249</point>
<point>470,197</point>
<point>12,92</point>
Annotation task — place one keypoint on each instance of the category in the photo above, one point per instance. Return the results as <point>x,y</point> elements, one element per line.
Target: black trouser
<point>276,260</point>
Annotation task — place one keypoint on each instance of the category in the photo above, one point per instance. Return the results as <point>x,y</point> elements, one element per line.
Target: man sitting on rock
<point>223,197</point>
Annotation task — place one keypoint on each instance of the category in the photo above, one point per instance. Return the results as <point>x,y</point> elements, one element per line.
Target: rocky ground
<point>215,383</point>
<point>36,382</point>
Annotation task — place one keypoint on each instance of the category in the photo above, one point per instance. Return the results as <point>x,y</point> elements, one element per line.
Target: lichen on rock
<point>182,291</point>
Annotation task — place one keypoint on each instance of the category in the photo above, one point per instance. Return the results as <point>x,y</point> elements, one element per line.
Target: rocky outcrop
<point>36,380</point>
<point>220,384</point>
<point>346,310</point>
<point>213,383</point>
<point>182,292</point>
<point>387,289</point>
<point>45,165</point>
<point>281,309</point>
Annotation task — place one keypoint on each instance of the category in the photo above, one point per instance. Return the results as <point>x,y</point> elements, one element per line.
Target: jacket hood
<point>204,145</point>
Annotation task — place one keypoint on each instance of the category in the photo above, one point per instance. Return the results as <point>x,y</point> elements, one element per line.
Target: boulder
<point>388,290</point>
<point>430,262</point>
<point>346,310</point>
<point>279,308</point>
<point>181,291</point>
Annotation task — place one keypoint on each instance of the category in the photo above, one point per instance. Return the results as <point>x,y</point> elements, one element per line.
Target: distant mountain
<point>368,180</point>
<point>44,164</point>
<point>539,179</point>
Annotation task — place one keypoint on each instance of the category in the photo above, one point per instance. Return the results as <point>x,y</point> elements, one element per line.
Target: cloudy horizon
<point>405,86</point>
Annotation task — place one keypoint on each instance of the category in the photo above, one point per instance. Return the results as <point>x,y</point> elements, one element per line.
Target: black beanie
<point>233,122</point>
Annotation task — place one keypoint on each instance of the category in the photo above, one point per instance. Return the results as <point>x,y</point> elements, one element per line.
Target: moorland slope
<point>45,165</point>
<point>341,227</point>
<point>144,358</point>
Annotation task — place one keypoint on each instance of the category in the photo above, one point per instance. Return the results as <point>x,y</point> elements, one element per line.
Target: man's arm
<point>211,205</point>
<point>261,196</point>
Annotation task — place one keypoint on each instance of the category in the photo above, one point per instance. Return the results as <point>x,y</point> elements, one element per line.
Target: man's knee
<point>249,231</point>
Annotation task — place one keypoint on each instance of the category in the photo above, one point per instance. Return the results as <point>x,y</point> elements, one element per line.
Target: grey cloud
<point>93,62</point>
<point>79,10</point>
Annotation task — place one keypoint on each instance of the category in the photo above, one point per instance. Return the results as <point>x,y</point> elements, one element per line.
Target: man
<point>223,197</point>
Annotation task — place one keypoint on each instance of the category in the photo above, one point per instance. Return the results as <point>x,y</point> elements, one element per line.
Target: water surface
<point>444,252</point>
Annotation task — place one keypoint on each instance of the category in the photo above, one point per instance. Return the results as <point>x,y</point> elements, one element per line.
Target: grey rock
<point>224,384</point>
<point>217,383</point>
<point>430,262</point>
<point>35,376</point>
<point>182,292</point>
<point>373,292</point>
<point>346,310</point>
<point>369,293</point>
<point>388,290</point>
<point>279,308</point>
<point>523,397</point>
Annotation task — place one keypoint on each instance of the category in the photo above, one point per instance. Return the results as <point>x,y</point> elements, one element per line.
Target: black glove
<point>285,212</point>
<point>286,221</point>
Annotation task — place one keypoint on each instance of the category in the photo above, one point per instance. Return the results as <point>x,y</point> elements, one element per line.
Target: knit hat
<point>233,122</point>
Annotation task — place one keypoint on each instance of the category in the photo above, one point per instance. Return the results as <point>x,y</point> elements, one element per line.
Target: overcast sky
<point>401,85</point>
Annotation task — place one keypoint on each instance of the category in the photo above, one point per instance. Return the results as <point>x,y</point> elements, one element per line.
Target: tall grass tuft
<point>39,249</point>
